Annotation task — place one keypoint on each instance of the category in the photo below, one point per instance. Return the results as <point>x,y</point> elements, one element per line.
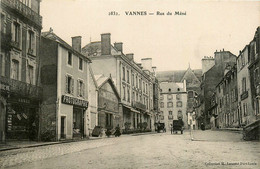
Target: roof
<point>171,87</point>
<point>52,36</point>
<point>177,75</point>
<point>94,49</point>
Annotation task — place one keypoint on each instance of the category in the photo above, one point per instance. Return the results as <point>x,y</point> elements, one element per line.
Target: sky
<point>172,41</point>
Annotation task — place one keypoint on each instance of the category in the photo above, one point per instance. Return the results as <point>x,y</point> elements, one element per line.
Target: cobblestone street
<point>208,149</point>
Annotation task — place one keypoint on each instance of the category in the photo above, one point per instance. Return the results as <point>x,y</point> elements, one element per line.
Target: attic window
<point>169,90</point>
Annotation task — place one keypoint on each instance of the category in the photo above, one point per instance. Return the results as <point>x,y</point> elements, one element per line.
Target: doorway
<point>78,122</point>
<point>62,127</point>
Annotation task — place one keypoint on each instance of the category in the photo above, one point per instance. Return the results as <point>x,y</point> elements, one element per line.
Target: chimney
<point>119,46</point>
<point>76,43</point>
<point>130,56</point>
<point>105,44</point>
<point>147,64</point>
<point>154,70</point>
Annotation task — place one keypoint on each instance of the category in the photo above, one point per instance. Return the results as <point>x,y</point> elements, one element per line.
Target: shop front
<point>72,118</point>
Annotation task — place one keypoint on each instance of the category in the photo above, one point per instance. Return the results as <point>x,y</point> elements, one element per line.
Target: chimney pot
<point>105,44</point>
<point>76,43</point>
<point>119,46</point>
<point>130,56</point>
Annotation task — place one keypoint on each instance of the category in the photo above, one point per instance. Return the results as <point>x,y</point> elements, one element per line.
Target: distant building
<point>173,103</point>
<point>192,79</point>
<point>20,97</point>
<point>65,83</point>
<point>135,82</point>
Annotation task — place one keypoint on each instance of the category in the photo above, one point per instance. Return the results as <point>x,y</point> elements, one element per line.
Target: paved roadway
<point>209,149</point>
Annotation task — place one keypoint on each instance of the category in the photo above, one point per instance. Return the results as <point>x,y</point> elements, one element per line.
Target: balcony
<point>24,10</point>
<point>139,105</point>
<point>20,88</point>
<point>244,95</point>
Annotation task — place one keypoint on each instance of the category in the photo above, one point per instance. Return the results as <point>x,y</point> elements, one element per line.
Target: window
<point>3,23</point>
<point>180,114</point>
<point>123,73</point>
<point>136,96</point>
<point>80,64</point>
<point>243,84</point>
<point>31,41</point>
<point>243,59</point>
<point>169,104</point>
<point>161,97</point>
<point>169,97</point>
<point>179,104</point>
<point>169,90</point>
<point>140,84</point>
<point>16,32</point>
<point>128,95</point>
<point>256,75</point>
<point>146,91</point>
<point>136,79</point>
<point>133,96</point>
<point>127,76</point>
<point>178,97</point>
<point>81,88</point>
<point>190,94</point>
<point>108,120</point>
<point>162,105</point>
<point>15,70</point>
<point>162,117</point>
<point>143,87</point>
<point>69,58</point>
<point>30,74</point>
<point>2,65</point>
<point>133,79</point>
<point>123,92</point>
<point>170,112</point>
<point>69,84</point>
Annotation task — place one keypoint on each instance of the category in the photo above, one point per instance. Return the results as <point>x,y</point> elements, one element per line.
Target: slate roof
<point>52,36</point>
<point>94,49</point>
<point>165,86</point>
<point>176,75</point>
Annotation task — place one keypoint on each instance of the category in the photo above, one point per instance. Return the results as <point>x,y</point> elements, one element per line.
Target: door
<point>78,119</point>
<point>62,128</point>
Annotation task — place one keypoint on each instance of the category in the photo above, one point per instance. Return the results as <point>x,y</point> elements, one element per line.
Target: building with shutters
<point>133,81</point>
<point>21,26</point>
<point>64,79</point>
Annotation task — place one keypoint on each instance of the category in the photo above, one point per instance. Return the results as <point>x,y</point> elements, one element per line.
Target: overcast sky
<point>171,41</point>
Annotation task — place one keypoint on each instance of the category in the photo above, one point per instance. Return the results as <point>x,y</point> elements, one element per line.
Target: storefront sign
<point>74,101</point>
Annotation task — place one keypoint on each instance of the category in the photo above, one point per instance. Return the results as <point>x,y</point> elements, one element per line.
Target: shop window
<point>70,58</point>
<point>31,74</point>
<point>15,70</point>
<point>169,104</point>
<point>80,64</point>
<point>69,84</point>
<point>179,104</point>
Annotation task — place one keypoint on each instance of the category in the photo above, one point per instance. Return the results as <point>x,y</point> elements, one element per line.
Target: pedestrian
<point>118,131</point>
<point>202,126</point>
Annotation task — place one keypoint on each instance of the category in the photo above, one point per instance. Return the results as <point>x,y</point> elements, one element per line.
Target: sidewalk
<point>239,130</point>
<point>11,145</point>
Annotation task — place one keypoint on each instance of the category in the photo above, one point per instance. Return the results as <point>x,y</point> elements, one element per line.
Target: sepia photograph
<point>130,84</point>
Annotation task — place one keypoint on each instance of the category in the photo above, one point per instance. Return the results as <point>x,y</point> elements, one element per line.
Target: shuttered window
<point>81,88</point>
<point>69,84</point>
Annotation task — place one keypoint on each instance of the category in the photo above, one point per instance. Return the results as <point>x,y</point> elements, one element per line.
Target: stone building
<point>133,81</point>
<point>210,79</point>
<point>105,103</point>
<point>173,103</point>
<point>64,79</point>
<point>245,104</point>
<point>21,26</point>
<point>225,113</point>
<point>254,64</point>
<point>193,80</point>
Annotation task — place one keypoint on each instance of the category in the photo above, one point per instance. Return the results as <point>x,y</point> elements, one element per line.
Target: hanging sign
<point>74,101</point>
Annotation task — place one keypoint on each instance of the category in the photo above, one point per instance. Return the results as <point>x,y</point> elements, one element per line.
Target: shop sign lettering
<point>74,101</point>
